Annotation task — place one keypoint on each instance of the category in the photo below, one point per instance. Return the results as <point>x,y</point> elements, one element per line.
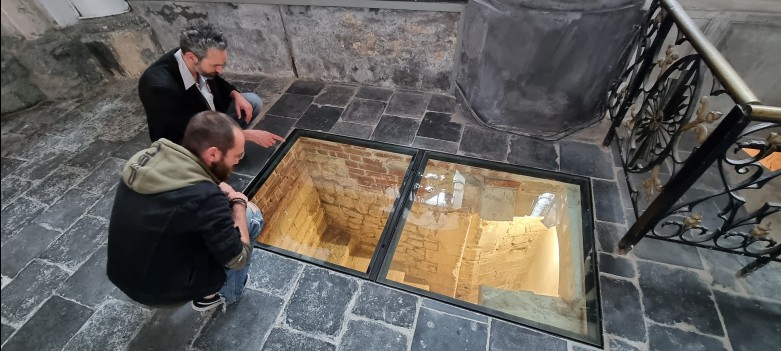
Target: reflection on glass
<point>508,242</point>
<point>330,201</point>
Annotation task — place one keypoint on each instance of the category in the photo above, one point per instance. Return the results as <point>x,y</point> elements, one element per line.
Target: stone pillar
<point>542,67</point>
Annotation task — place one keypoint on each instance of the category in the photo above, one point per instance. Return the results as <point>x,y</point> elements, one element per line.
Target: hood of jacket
<point>165,166</point>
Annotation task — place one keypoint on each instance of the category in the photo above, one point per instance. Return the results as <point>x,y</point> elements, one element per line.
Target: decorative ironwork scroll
<point>661,121</point>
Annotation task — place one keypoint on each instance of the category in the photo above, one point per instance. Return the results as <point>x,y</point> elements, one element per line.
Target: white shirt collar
<point>187,77</point>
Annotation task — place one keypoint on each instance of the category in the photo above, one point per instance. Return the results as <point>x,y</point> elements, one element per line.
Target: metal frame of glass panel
<point>380,261</point>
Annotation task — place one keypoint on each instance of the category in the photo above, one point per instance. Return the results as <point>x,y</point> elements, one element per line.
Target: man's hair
<point>207,129</point>
<point>199,36</point>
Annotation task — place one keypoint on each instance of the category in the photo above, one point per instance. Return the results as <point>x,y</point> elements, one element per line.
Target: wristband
<point>237,200</point>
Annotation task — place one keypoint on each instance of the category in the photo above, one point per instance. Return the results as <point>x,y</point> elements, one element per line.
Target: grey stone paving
<point>59,164</point>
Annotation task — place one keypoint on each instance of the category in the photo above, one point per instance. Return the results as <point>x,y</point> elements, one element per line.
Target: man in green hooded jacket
<point>177,232</point>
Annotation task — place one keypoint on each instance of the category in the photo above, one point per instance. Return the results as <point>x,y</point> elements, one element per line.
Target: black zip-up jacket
<point>168,105</point>
<point>172,232</point>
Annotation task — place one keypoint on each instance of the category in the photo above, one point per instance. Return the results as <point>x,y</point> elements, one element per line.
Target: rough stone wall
<point>395,48</point>
<point>71,62</point>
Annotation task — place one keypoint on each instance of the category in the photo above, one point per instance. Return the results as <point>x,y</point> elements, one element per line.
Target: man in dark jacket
<point>176,235</point>
<point>187,80</point>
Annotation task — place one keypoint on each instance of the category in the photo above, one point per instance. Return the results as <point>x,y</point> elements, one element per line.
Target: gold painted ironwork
<point>670,56</point>
<point>698,125</point>
<point>766,113</point>
<point>653,183</point>
<point>761,230</point>
<point>692,221</point>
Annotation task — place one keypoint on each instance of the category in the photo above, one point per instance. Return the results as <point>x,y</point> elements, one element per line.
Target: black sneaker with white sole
<point>204,304</point>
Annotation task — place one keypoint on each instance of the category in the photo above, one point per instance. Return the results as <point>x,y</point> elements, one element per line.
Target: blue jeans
<point>237,278</point>
<point>257,105</point>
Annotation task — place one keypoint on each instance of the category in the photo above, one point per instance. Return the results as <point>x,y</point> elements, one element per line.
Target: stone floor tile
<point>89,285</point>
<point>456,311</point>
<point>31,287</point>
<point>77,244</point>
<point>319,118</point>
<point>607,201</point>
<point>287,340</point>
<point>666,338</point>
<point>13,187</point>
<point>272,86</point>
<point>103,207</point>
<point>365,335</point>
<point>395,130</point>
<point>483,143</point>
<point>752,325</point>
<point>255,157</point>
<point>17,215</point>
<point>437,125</point>
<point>363,111</point>
<point>290,105</point>
<point>56,184</point>
<point>336,95</point>
<point>94,154</point>
<point>319,302</point>
<point>621,309</point>
<point>623,189</point>
<point>435,145</point>
<point>374,93</point>
<point>68,209</point>
<point>281,126</point>
<point>20,249</point>
<point>505,336</point>
<point>170,329</point>
<point>103,178</point>
<point>41,168</point>
<point>5,332</point>
<point>42,147</point>
<point>616,265</point>
<point>272,273</point>
<point>621,345</point>
<point>442,103</point>
<point>765,282</point>
<point>306,87</point>
<point>408,104</point>
<point>690,290</point>
<point>239,182</point>
<point>667,252</point>
<point>439,331</point>
<point>585,159</point>
<point>386,305</point>
<point>50,328</point>
<point>530,152</point>
<point>580,347</point>
<point>11,145</point>
<point>245,86</point>
<point>129,148</point>
<point>354,130</point>
<point>243,325</point>
<point>111,327</point>
<point>8,165</point>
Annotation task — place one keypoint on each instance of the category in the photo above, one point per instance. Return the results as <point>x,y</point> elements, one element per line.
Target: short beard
<point>208,76</point>
<point>221,170</point>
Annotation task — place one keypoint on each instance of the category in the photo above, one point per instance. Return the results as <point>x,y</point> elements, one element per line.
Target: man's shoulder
<point>163,73</point>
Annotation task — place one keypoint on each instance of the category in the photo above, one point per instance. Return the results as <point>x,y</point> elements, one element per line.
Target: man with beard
<point>176,235</point>
<point>186,80</point>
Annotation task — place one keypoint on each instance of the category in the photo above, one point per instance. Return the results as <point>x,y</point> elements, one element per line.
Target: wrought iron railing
<point>716,190</point>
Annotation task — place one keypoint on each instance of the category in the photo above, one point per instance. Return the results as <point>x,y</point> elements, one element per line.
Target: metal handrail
<point>766,113</point>
<point>729,78</point>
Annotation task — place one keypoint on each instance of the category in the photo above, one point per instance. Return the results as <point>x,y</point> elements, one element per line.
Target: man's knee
<point>256,101</point>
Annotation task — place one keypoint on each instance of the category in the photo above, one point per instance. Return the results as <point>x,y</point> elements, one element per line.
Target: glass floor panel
<point>507,242</point>
<point>512,242</point>
<point>330,201</point>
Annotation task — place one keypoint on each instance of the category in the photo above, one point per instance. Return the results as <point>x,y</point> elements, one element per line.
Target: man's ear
<point>211,155</point>
<point>190,56</point>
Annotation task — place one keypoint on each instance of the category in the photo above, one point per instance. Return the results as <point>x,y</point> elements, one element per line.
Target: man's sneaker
<point>204,304</point>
